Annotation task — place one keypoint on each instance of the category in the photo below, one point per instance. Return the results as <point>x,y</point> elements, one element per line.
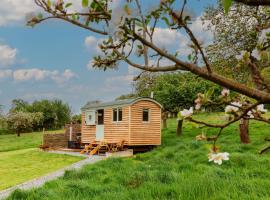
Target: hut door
<point>100,125</point>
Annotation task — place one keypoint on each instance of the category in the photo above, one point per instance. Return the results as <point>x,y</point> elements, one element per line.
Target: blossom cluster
<point>186,113</point>
<point>233,108</point>
<point>217,158</point>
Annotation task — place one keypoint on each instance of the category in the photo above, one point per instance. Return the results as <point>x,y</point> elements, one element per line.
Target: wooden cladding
<point>115,131</point>
<point>145,132</point>
<point>88,131</point>
<point>140,124</point>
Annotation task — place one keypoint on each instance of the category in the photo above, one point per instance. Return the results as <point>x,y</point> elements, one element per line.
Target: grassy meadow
<point>21,160</point>
<point>12,142</point>
<point>179,169</point>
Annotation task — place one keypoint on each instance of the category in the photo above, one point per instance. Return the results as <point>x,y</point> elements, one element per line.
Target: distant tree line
<point>24,116</point>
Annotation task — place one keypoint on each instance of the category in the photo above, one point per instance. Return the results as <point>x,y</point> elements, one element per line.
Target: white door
<point>99,132</point>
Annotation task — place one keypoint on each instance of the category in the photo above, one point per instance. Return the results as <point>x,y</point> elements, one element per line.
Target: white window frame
<point>93,117</point>
<point>117,114</point>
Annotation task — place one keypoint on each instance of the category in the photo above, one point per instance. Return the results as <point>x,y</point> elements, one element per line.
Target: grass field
<point>179,169</point>
<point>12,142</point>
<point>20,160</point>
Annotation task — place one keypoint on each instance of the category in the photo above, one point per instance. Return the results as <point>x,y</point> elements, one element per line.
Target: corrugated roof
<point>95,104</point>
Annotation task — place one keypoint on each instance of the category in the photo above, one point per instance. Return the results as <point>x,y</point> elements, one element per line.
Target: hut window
<point>114,115</point>
<point>117,114</point>
<point>145,115</point>
<point>90,117</point>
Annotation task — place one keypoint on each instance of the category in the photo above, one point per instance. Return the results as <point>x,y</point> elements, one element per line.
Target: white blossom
<point>242,54</point>
<point>263,36</point>
<point>119,16</point>
<point>225,92</point>
<point>250,114</point>
<point>198,106</point>
<point>233,108</point>
<point>260,108</point>
<point>237,104</point>
<point>256,54</point>
<point>218,157</point>
<point>198,102</point>
<point>230,109</point>
<point>187,113</point>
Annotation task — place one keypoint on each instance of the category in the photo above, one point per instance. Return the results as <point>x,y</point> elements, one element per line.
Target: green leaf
<point>49,3</point>
<point>84,3</point>
<point>68,5</point>
<point>166,21</point>
<point>227,4</point>
<point>210,92</point>
<point>139,46</point>
<point>74,17</point>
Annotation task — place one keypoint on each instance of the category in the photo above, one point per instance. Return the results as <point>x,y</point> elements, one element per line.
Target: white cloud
<point>92,44</point>
<point>61,78</point>
<point>120,82</point>
<point>117,83</point>
<point>165,37</point>
<point>133,71</point>
<point>13,11</point>
<point>38,75</point>
<point>16,11</point>
<point>200,31</point>
<point>90,41</point>
<point>7,55</point>
<point>5,73</point>
<point>35,74</point>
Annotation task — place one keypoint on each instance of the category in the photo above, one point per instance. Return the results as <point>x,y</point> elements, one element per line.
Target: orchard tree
<point>174,91</point>
<point>235,31</point>
<point>2,118</point>
<point>55,112</point>
<point>23,121</point>
<point>129,30</point>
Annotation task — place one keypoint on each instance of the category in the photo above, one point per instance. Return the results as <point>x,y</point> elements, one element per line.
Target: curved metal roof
<point>98,105</point>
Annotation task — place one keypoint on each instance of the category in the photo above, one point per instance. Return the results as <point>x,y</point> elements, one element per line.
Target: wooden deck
<point>102,147</point>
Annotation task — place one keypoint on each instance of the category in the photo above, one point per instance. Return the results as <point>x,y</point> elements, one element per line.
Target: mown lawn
<point>21,160</point>
<point>179,169</point>
<point>12,142</point>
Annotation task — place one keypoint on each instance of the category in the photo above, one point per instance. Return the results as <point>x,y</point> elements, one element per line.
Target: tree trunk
<point>164,117</point>
<point>164,123</point>
<point>244,131</point>
<point>179,127</point>
<point>18,134</point>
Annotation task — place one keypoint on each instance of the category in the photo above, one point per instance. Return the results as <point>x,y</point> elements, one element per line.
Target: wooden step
<point>95,150</point>
<point>86,149</point>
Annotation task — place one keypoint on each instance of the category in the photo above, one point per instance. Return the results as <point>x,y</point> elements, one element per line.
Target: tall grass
<point>178,169</point>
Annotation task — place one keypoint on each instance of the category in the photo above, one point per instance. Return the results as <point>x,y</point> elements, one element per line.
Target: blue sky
<point>50,60</point>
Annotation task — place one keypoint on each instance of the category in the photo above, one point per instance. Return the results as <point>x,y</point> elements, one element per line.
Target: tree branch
<point>222,126</point>
<point>149,68</point>
<point>214,77</point>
